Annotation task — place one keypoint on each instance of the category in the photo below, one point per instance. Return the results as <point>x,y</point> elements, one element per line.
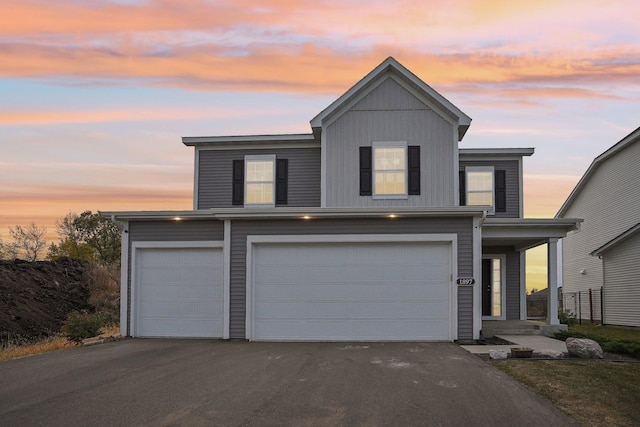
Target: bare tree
<point>9,250</point>
<point>29,239</point>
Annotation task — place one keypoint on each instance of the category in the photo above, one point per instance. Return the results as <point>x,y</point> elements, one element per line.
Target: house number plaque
<point>466,281</point>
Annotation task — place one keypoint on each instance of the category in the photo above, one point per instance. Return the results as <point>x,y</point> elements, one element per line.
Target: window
<point>390,169</point>
<point>480,186</point>
<point>259,180</point>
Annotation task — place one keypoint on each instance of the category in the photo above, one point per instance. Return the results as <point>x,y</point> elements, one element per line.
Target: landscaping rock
<point>497,354</point>
<point>552,354</point>
<point>584,348</point>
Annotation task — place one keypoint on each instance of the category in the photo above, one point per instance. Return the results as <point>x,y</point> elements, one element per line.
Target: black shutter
<point>501,191</point>
<point>414,169</point>
<point>365,171</point>
<point>463,187</point>
<point>237,197</point>
<point>282,176</point>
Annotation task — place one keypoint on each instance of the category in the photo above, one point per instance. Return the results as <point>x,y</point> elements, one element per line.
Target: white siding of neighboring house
<point>622,275</point>
<point>390,112</point>
<point>609,203</point>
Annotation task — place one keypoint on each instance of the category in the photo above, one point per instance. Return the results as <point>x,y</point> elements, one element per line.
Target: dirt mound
<point>36,297</point>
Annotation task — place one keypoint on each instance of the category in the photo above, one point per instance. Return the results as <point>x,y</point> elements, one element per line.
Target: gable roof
<point>616,240</point>
<point>390,65</point>
<point>628,140</point>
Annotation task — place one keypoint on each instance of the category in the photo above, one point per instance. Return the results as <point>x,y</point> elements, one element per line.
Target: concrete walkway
<point>539,344</point>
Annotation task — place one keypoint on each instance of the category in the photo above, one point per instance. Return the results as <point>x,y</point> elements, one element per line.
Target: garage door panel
<point>179,292</point>
<point>352,291</point>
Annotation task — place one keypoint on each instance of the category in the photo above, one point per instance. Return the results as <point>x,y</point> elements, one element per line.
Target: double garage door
<point>301,291</point>
<point>350,291</point>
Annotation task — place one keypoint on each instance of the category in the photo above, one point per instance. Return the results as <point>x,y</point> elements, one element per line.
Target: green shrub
<point>623,347</point>
<point>79,326</point>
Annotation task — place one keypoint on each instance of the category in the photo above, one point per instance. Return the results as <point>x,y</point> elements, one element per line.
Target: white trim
<point>521,188</point>
<point>124,280</point>
<point>196,178</point>
<point>410,81</point>
<point>449,238</point>
<point>456,170</point>
<point>213,244</point>
<point>258,146</point>
<point>256,158</point>
<point>323,170</point>
<point>503,286</point>
<point>389,144</point>
<point>477,274</point>
<point>523,285</point>
<point>491,169</point>
<point>494,153</point>
<point>293,137</point>
<point>226,285</point>
<point>552,281</point>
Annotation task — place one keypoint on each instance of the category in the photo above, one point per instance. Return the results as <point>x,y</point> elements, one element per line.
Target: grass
<point>593,392</point>
<point>43,346</point>
<point>612,339</point>
<point>46,345</point>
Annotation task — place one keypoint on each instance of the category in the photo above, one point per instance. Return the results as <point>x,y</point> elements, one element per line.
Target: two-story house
<point>373,226</point>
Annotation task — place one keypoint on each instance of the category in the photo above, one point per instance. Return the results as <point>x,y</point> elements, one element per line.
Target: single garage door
<point>179,292</point>
<point>352,291</point>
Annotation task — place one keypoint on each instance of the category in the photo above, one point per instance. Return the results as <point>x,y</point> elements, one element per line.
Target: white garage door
<point>179,292</point>
<point>352,291</point>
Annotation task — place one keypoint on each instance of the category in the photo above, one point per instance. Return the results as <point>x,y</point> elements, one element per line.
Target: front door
<point>493,287</point>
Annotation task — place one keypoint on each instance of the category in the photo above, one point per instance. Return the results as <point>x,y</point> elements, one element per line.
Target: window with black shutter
<point>462,177</point>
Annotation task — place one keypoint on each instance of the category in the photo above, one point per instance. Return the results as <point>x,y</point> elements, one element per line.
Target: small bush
<point>80,326</point>
<point>567,318</point>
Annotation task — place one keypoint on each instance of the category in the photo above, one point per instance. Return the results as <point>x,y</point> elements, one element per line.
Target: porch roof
<point>525,233</point>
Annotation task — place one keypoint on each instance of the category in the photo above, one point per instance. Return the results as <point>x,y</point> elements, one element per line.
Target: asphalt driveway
<point>217,383</point>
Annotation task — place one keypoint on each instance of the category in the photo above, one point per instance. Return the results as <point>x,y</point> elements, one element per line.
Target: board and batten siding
<point>622,278</point>
<point>512,176</point>
<point>609,203</point>
<point>390,113</point>
<point>240,229</point>
<point>168,231</point>
<point>215,175</point>
<point>512,274</point>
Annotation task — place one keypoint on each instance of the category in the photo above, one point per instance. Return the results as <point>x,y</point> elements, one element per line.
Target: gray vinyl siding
<point>215,175</point>
<point>622,283</point>
<point>512,273</point>
<point>167,231</point>
<point>609,203</point>
<point>240,229</point>
<point>390,113</point>
<point>512,175</point>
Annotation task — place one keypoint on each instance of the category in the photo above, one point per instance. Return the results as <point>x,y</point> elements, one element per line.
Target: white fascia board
<point>494,153</point>
<point>124,281</point>
<point>616,240</point>
<point>316,213</point>
<point>159,215</point>
<point>244,139</point>
<point>393,66</point>
<point>632,138</point>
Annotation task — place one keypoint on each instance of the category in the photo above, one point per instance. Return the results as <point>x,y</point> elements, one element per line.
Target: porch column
<point>552,281</point>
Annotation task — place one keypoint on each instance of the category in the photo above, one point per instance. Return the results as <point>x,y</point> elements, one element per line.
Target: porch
<point>493,328</point>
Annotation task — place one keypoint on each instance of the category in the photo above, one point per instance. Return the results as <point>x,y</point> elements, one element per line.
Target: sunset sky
<point>95,95</point>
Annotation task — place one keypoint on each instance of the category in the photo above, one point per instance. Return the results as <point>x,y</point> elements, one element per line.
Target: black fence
<point>586,306</point>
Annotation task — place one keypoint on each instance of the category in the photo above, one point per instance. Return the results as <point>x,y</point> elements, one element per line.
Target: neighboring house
<point>373,226</point>
<point>605,251</point>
